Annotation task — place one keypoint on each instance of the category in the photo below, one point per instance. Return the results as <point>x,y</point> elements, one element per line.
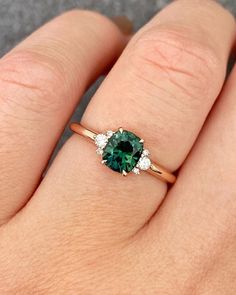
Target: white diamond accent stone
<point>146,153</point>
<point>144,163</point>
<point>101,140</point>
<point>136,170</point>
<point>99,151</point>
<point>109,133</point>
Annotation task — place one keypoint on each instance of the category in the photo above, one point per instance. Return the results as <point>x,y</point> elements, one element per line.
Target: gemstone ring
<point>124,152</point>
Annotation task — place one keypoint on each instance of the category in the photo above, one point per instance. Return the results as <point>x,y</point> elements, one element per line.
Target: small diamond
<point>144,163</point>
<point>146,153</point>
<point>109,133</point>
<point>99,151</point>
<point>101,140</point>
<point>136,170</point>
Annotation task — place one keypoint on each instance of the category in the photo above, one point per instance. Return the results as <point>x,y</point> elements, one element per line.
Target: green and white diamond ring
<point>123,152</point>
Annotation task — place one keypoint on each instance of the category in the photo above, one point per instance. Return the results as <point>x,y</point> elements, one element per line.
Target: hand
<point>84,229</point>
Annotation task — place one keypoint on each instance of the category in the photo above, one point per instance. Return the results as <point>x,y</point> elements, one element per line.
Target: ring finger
<point>159,89</point>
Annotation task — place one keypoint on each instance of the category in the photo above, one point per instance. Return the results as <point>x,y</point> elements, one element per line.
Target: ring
<point>123,152</point>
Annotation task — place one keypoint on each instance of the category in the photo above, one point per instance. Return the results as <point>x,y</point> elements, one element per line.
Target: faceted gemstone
<point>122,151</point>
<point>109,133</point>
<point>136,170</point>
<point>146,153</point>
<point>101,140</point>
<point>144,163</point>
<point>99,151</point>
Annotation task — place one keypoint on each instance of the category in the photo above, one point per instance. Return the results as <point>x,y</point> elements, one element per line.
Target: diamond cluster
<point>101,141</point>
<point>122,151</point>
<point>144,162</point>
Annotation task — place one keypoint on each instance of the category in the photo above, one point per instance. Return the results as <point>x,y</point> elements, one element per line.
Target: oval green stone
<point>123,151</point>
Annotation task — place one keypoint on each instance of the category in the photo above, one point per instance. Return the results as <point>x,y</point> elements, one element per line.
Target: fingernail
<point>124,24</point>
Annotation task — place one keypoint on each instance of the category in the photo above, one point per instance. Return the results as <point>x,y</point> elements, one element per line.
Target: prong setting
<point>103,139</point>
<point>124,173</point>
<point>121,130</point>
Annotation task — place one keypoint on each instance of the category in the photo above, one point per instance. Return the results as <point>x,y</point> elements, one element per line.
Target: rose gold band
<point>155,169</point>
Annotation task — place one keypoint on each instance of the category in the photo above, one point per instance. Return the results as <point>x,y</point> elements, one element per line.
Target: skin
<point>84,229</point>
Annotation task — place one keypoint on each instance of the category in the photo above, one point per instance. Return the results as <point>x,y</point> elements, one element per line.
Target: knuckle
<point>32,80</point>
<point>170,54</point>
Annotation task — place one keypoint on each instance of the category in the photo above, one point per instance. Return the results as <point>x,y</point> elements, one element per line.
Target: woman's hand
<point>84,229</point>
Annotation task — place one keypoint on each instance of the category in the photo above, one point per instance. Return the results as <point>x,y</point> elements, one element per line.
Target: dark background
<point>18,18</point>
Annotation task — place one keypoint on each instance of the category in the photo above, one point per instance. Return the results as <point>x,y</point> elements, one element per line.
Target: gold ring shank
<point>79,129</point>
<point>155,169</point>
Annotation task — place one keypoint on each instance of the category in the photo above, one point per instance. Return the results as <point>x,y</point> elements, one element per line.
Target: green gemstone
<point>122,151</point>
